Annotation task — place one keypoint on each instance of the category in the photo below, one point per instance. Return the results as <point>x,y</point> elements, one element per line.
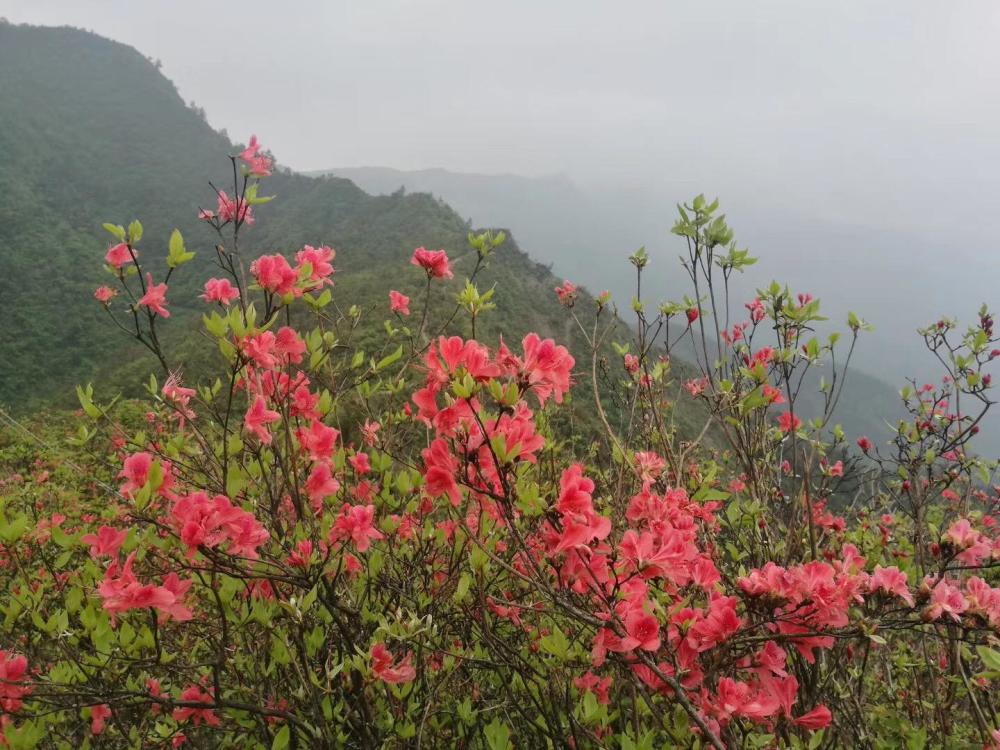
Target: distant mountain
<point>898,281</point>
<point>586,236</point>
<point>562,224</point>
<point>90,131</point>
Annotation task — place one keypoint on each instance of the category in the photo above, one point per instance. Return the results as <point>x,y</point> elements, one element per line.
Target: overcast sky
<point>878,111</point>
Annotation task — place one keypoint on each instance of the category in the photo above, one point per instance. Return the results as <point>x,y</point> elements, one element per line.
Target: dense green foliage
<point>388,497</point>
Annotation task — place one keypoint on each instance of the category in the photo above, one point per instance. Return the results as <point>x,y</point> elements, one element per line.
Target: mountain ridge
<point>67,176</point>
<point>870,406</point>
<point>139,151</point>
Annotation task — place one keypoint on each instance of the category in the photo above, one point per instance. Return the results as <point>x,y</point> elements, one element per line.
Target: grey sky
<point>841,104</point>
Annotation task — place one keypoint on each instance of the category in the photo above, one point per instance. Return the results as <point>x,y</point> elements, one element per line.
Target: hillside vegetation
<point>417,493</point>
<point>98,134</point>
<point>580,235</point>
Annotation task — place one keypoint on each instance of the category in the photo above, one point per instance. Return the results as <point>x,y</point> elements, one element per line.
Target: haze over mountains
<point>586,234</point>
<point>100,134</point>
<point>853,144</point>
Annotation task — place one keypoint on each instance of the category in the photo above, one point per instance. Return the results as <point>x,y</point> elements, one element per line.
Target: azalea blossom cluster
<point>324,545</point>
<point>660,563</point>
<point>312,270</point>
<point>122,591</point>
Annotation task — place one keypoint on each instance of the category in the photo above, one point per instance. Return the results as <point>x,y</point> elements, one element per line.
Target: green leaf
<point>555,643</point>
<point>235,481</point>
<point>309,599</point>
<point>497,735</point>
<point>463,587</point>
<point>389,359</point>
<point>990,657</point>
<point>215,324</point>
<point>916,740</point>
<point>116,229</point>
<point>177,254</point>
<point>253,199</point>
<point>12,531</point>
<point>282,738</point>
<point>86,397</point>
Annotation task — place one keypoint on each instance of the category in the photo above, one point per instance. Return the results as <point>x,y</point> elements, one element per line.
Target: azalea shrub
<point>432,544</point>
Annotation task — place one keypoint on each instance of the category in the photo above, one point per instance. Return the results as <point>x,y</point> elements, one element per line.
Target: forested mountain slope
<point>92,132</point>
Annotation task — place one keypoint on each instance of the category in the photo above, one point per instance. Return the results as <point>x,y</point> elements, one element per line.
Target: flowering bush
<point>327,547</point>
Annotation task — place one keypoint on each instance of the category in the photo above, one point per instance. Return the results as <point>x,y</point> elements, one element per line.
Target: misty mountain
<point>896,281</point>
<point>99,134</point>
<point>586,234</point>
<point>92,132</point>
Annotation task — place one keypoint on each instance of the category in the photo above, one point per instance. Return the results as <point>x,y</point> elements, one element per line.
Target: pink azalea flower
<point>399,303</point>
<point>260,166</point>
<point>106,542</point>
<point>180,396</point>
<point>385,670</point>
<point>772,394</point>
<point>756,310</point>
<point>696,386</point>
<point>591,683</point>
<point>642,629</point>
<point>122,591</point>
<point>104,294</point>
<point>649,465</point>
<point>274,274</point>
<point>369,431</point>
<point>200,713</point>
<point>12,673</point>
<point>961,534</point>
<point>209,522</point>
<point>566,293</point>
<point>355,522</point>
<point>155,297</point>
<point>945,600</point>
<point>818,718</point>
<point>118,255</point>
<point>360,463</point>
<point>289,346</point>
<point>434,262</point>
<point>221,291</point>
<point>253,146</point>
<point>318,440</point>
<point>98,714</point>
<point>231,209</point>
<point>440,467</point>
<point>320,260</point>
<point>259,349</point>
<point>891,581</point>
<point>257,418</point>
<point>321,484</point>
<point>788,422</point>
